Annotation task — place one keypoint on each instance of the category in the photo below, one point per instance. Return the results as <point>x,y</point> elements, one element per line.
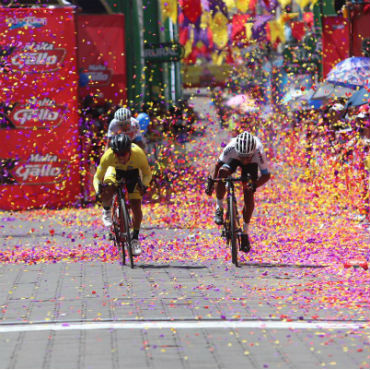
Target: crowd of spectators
<point>333,132</point>
<point>342,134</point>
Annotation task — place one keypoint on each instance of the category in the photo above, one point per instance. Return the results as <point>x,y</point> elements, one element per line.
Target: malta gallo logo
<point>98,74</point>
<point>35,113</point>
<point>40,170</point>
<point>39,57</point>
<point>26,22</point>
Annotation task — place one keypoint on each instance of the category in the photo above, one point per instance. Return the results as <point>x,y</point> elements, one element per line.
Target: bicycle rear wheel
<point>235,238</point>
<point>116,230</point>
<point>126,221</point>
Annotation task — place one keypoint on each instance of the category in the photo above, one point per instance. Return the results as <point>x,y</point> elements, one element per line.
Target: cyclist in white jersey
<point>124,123</point>
<point>245,151</point>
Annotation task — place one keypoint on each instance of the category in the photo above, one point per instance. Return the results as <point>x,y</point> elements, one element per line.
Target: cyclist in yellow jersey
<point>123,159</point>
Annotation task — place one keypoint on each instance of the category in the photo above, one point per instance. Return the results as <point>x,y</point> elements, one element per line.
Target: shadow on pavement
<point>275,265</point>
<point>168,266</point>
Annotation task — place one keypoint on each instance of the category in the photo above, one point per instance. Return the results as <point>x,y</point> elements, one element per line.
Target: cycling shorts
<point>131,176</point>
<point>250,168</point>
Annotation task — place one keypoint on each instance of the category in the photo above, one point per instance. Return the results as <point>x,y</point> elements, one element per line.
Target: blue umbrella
<point>360,97</point>
<point>351,71</point>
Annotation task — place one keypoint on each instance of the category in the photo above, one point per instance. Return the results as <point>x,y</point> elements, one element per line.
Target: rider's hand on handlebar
<point>141,187</point>
<point>99,193</point>
<point>209,186</point>
<point>249,187</point>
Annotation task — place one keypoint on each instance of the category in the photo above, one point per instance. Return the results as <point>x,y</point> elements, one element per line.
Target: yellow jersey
<point>138,160</point>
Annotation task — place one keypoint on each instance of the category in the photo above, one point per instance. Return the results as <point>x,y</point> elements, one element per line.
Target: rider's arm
<point>218,165</point>
<point>263,179</point>
<point>264,169</point>
<point>101,170</point>
<point>145,168</point>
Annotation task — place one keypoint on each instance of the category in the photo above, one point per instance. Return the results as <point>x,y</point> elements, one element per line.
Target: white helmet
<point>122,114</point>
<point>245,144</point>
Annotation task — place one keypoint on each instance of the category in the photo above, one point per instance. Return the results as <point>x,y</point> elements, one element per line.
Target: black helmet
<point>120,144</point>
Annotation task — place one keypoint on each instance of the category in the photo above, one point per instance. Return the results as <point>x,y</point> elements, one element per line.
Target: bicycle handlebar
<point>232,179</point>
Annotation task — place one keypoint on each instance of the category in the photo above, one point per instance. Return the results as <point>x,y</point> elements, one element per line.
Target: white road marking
<point>147,325</point>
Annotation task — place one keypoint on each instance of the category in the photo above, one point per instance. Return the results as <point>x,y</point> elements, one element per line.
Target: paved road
<point>190,313</point>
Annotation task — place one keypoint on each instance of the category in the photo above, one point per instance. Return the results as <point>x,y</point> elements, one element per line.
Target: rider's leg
<point>220,194</point>
<point>248,209</point>
<point>107,196</point>
<point>220,186</point>
<point>137,215</point>
<point>250,169</point>
<point>247,215</point>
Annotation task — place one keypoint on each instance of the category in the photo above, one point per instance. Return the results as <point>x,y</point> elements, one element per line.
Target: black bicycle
<point>122,223</point>
<point>232,230</point>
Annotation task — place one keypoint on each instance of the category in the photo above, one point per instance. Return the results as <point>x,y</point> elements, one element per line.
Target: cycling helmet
<point>120,144</point>
<point>122,114</point>
<point>245,144</point>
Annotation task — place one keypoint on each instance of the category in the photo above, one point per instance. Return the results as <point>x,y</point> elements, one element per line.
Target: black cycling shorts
<point>131,176</point>
<point>250,168</point>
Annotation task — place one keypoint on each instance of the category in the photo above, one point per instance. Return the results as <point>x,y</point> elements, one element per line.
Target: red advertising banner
<point>360,33</point>
<point>39,151</point>
<point>335,42</point>
<point>101,43</point>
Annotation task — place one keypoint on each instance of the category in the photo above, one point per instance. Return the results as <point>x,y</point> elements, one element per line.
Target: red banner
<point>335,42</point>
<point>360,33</point>
<point>102,62</point>
<point>39,155</point>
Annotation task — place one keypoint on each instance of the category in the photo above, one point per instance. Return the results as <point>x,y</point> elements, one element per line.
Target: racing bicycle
<point>232,231</point>
<point>122,223</point>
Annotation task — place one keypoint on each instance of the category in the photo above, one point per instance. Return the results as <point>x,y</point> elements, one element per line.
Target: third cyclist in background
<point>244,151</point>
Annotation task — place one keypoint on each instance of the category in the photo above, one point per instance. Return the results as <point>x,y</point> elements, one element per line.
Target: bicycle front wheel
<point>126,225</point>
<point>235,238</point>
<point>116,229</point>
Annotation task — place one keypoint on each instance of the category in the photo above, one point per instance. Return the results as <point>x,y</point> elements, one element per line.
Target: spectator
<point>144,119</point>
<point>362,154</point>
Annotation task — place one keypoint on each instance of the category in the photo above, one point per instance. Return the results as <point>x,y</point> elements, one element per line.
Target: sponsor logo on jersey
<point>39,57</point>
<point>26,22</point>
<point>98,74</point>
<point>44,113</point>
<point>40,169</point>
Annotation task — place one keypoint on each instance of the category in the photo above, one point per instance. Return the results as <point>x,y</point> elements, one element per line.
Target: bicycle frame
<point>122,223</point>
<point>232,230</point>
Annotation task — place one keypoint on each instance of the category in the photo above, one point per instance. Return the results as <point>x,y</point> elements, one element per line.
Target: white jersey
<point>259,157</point>
<point>116,127</point>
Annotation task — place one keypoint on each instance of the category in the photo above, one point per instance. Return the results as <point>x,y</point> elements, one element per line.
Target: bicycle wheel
<point>126,221</point>
<point>116,230</point>
<point>235,239</point>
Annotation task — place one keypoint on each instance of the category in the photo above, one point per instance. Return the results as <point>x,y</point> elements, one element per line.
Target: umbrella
<point>327,90</point>
<point>248,107</point>
<point>300,100</point>
<point>292,94</point>
<point>351,71</point>
<point>360,97</point>
<point>237,100</point>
